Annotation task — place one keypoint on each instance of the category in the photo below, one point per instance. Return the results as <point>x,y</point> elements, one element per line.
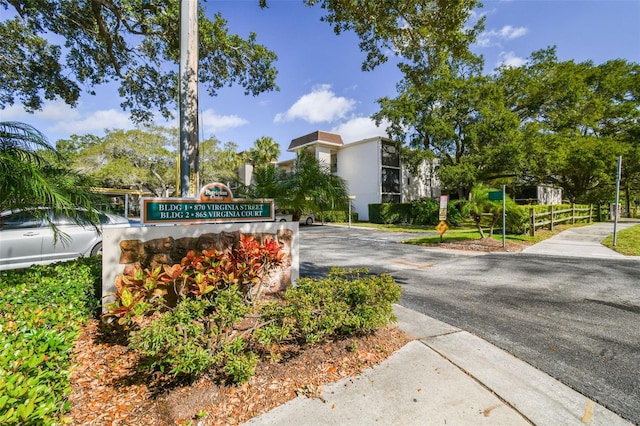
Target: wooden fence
<point>555,216</point>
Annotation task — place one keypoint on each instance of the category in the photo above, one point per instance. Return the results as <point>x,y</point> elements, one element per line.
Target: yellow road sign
<point>442,227</point>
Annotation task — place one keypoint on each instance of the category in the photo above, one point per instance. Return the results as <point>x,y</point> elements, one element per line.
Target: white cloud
<point>359,128</point>
<point>509,33</point>
<point>58,120</point>
<point>94,123</point>
<point>213,123</point>
<point>321,105</point>
<point>51,111</point>
<point>493,37</point>
<point>510,59</point>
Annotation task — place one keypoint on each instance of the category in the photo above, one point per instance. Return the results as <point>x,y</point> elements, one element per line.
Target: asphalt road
<point>576,319</point>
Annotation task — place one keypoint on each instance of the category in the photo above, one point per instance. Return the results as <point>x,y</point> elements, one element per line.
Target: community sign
<point>215,205</point>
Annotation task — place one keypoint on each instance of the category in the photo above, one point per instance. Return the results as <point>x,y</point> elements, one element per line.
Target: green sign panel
<point>495,195</point>
<point>181,210</point>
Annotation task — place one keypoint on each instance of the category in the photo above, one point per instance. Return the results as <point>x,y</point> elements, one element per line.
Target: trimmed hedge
<point>41,312</point>
<point>337,216</point>
<point>424,211</point>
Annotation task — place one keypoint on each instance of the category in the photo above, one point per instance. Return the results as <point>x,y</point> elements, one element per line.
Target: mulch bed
<point>108,390</point>
<point>487,244</point>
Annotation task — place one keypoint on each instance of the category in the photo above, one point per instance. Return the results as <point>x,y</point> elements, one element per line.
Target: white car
<point>26,239</point>
<point>306,219</point>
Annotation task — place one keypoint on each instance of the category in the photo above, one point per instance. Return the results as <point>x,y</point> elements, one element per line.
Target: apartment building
<point>372,169</point>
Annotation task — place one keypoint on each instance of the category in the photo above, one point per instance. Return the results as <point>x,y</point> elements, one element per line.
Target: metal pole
<point>188,84</point>
<point>350,198</point>
<point>504,218</point>
<point>615,215</point>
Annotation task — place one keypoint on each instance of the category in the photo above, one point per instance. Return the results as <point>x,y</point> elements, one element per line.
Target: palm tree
<point>265,150</point>
<point>311,187</point>
<point>480,205</point>
<point>308,187</point>
<point>32,175</point>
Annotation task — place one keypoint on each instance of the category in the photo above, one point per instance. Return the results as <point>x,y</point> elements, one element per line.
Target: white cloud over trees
<point>321,105</point>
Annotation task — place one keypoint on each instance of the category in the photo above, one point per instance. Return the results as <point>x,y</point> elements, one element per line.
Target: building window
<point>390,173</point>
<point>390,180</point>
<point>390,154</point>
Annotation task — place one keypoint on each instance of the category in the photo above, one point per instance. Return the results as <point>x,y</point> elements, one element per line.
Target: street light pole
<point>615,214</point>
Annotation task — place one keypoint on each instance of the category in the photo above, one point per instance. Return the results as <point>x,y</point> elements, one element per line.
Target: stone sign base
<point>151,246</point>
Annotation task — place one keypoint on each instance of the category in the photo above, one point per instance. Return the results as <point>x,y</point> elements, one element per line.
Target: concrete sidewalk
<point>582,241</point>
<point>447,376</point>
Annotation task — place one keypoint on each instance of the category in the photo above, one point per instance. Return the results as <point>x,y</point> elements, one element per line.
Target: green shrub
<point>197,336</point>
<point>386,213</point>
<point>455,214</point>
<point>41,311</point>
<point>346,302</point>
<point>424,211</point>
<point>337,216</point>
<point>517,220</point>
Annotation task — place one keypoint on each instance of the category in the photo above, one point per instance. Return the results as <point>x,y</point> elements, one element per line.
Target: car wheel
<point>283,220</point>
<point>309,221</point>
<point>97,249</point>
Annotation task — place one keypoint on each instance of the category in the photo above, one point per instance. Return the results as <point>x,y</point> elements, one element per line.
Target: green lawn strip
<point>627,241</point>
<point>463,234</point>
<point>42,309</point>
<point>390,226</point>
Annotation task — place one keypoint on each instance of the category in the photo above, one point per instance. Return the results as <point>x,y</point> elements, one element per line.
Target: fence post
<point>573,213</point>
<point>550,218</point>
<point>590,213</point>
<point>532,219</point>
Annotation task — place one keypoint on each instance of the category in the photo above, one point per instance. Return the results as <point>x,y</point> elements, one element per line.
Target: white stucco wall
<point>359,166</point>
<point>323,155</point>
<point>245,174</point>
<point>424,184</point>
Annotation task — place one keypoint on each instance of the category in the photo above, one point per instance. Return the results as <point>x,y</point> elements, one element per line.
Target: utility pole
<point>189,145</point>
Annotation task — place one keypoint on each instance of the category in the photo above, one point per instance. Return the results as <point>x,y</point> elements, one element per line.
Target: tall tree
<point>422,33</point>
<point>129,41</point>
<point>576,119</point>
<point>141,159</point>
<point>459,115</point>
<point>219,164</point>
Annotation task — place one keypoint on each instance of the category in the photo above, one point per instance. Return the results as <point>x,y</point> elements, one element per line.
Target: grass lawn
<point>627,241</point>
<point>463,233</point>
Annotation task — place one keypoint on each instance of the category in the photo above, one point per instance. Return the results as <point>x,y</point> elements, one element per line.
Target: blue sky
<point>321,83</point>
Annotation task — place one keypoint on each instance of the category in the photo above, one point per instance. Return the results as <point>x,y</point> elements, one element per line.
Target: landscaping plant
<point>41,311</point>
<point>209,316</point>
<point>143,292</point>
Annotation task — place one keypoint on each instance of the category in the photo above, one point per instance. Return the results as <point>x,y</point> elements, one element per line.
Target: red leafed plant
<point>142,292</point>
